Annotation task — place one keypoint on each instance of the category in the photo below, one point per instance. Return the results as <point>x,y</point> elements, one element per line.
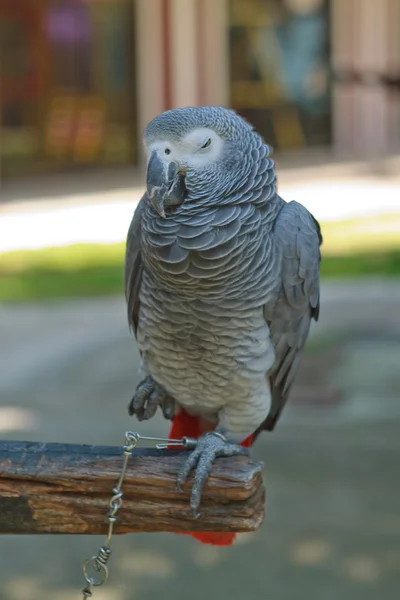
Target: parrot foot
<point>148,396</point>
<point>209,446</point>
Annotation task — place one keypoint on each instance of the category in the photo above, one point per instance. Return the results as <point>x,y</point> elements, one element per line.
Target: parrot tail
<point>185,425</point>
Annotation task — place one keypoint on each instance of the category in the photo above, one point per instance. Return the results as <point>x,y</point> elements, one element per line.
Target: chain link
<point>98,563</point>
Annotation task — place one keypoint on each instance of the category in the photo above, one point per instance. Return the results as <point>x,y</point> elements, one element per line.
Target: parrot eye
<point>167,151</point>
<point>206,144</point>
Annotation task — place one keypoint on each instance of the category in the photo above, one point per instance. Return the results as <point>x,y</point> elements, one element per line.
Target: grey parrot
<point>221,282</point>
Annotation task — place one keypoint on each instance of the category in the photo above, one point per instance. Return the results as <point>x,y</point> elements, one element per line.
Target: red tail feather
<point>186,425</point>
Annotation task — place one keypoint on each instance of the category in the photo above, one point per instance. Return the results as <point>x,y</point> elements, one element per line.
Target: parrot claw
<point>148,396</point>
<point>196,515</point>
<point>209,447</point>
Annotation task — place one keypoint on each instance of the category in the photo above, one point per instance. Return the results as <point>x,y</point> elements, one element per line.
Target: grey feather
<point>221,292</point>
<point>298,237</point>
<point>133,266</point>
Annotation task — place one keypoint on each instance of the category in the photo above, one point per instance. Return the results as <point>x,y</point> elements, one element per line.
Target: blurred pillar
<point>196,52</point>
<point>343,44</point>
<point>365,46</point>
<point>393,67</point>
<point>183,47</point>
<point>214,51</point>
<point>182,55</point>
<point>371,60</point>
<point>150,61</point>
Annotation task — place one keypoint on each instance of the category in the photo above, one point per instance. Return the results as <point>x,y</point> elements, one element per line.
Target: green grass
<point>352,248</point>
<point>380,263</point>
<point>80,270</point>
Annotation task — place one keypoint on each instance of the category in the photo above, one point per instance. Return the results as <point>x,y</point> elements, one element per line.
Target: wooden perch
<point>66,488</point>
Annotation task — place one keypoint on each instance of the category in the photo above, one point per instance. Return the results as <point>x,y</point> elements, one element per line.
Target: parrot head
<point>197,153</point>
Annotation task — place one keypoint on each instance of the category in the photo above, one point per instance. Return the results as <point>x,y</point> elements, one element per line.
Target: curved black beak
<point>165,183</point>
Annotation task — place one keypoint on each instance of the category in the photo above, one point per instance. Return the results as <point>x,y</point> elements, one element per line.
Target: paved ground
<point>332,468</point>
<point>96,208</point>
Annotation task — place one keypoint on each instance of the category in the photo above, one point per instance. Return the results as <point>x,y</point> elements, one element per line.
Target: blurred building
<point>79,79</point>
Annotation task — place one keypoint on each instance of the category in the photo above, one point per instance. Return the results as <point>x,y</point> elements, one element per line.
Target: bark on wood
<point>66,488</point>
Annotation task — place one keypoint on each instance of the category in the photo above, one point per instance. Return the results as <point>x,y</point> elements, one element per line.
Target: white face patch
<point>196,149</point>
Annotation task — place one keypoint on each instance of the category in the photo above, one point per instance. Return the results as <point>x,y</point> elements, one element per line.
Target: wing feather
<point>133,266</point>
<point>298,238</point>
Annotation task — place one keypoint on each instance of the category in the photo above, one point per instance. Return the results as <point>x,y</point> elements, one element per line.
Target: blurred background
<point>320,80</point>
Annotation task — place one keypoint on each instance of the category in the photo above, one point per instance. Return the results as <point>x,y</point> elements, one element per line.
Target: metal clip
<point>185,442</point>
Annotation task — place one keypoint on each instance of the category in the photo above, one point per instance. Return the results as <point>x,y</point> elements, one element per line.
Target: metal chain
<point>98,562</point>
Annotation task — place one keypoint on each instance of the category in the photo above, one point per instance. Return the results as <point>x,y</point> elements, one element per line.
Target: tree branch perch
<point>66,488</point>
